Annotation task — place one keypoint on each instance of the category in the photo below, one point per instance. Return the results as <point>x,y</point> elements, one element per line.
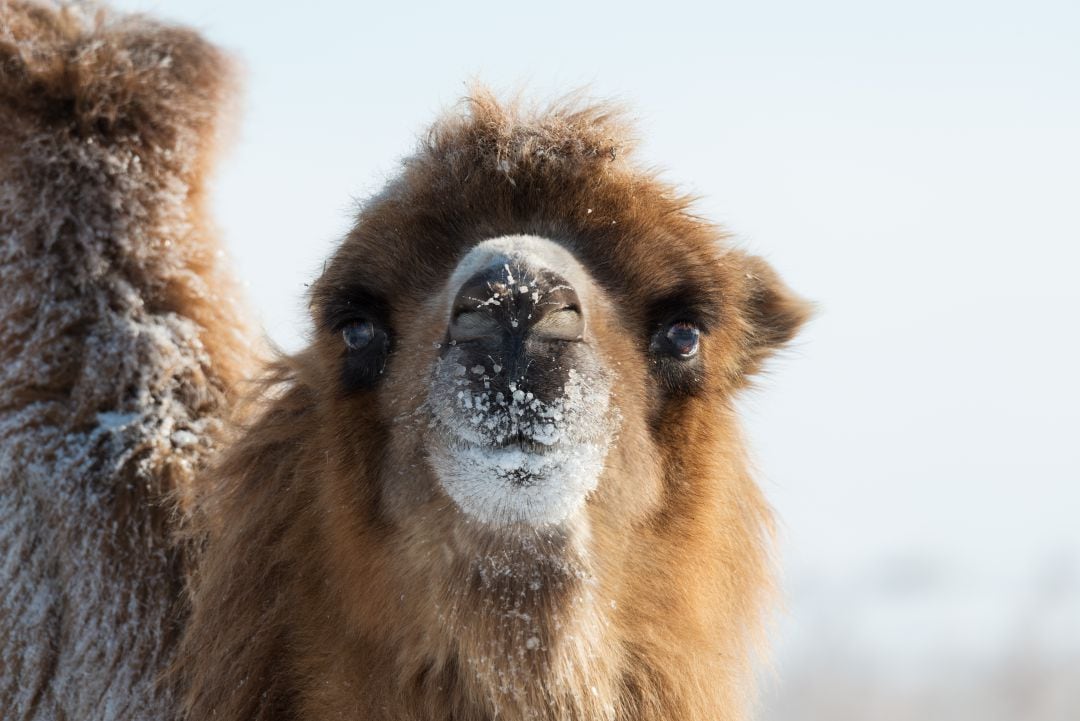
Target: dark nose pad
<point>508,305</point>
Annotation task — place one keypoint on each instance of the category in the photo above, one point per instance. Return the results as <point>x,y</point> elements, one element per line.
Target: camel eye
<point>358,334</point>
<point>684,339</point>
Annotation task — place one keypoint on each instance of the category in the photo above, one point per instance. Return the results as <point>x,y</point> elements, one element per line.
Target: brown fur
<point>335,578</point>
<point>325,593</point>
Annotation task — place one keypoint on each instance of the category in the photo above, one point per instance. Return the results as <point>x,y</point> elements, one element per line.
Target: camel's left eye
<point>358,334</point>
<point>684,339</point>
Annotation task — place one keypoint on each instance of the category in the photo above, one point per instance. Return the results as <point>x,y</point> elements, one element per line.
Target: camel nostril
<point>474,325</point>
<point>564,324</point>
<point>512,297</point>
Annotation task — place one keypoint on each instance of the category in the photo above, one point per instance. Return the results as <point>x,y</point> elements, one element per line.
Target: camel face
<point>517,390</point>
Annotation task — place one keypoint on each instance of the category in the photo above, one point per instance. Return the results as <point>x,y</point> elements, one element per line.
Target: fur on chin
<point>507,485</point>
<point>500,485</point>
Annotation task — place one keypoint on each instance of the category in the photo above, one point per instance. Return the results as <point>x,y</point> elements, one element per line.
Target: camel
<point>505,479</point>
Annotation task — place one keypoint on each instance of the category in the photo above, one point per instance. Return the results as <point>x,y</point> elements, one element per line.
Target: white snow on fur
<point>105,404</point>
<point>506,484</point>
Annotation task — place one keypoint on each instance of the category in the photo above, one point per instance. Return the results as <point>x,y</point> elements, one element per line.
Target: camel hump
<point>121,344</point>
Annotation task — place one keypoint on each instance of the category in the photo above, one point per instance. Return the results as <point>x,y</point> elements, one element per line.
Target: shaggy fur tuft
<point>119,351</point>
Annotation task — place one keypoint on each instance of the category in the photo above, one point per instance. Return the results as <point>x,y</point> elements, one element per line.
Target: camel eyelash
<point>687,305</point>
<point>349,305</point>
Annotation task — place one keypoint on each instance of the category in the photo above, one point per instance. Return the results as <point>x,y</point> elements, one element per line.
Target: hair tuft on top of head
<point>574,133</point>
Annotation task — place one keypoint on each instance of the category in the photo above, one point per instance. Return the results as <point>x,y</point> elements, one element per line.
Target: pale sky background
<point>914,168</point>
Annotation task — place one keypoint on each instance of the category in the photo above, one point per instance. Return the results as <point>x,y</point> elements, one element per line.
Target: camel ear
<point>773,313</point>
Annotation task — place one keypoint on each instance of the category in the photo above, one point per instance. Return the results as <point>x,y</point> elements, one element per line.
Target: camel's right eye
<point>367,347</point>
<point>358,334</point>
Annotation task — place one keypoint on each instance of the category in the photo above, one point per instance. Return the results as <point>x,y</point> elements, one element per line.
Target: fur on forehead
<point>490,169</point>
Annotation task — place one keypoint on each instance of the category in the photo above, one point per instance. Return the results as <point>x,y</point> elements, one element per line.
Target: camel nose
<point>510,300</point>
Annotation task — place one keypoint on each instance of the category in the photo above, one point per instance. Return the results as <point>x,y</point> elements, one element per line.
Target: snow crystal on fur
<point>113,374</point>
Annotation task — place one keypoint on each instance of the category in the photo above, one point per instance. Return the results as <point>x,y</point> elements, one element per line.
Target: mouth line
<point>521,443</point>
<point>525,444</point>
